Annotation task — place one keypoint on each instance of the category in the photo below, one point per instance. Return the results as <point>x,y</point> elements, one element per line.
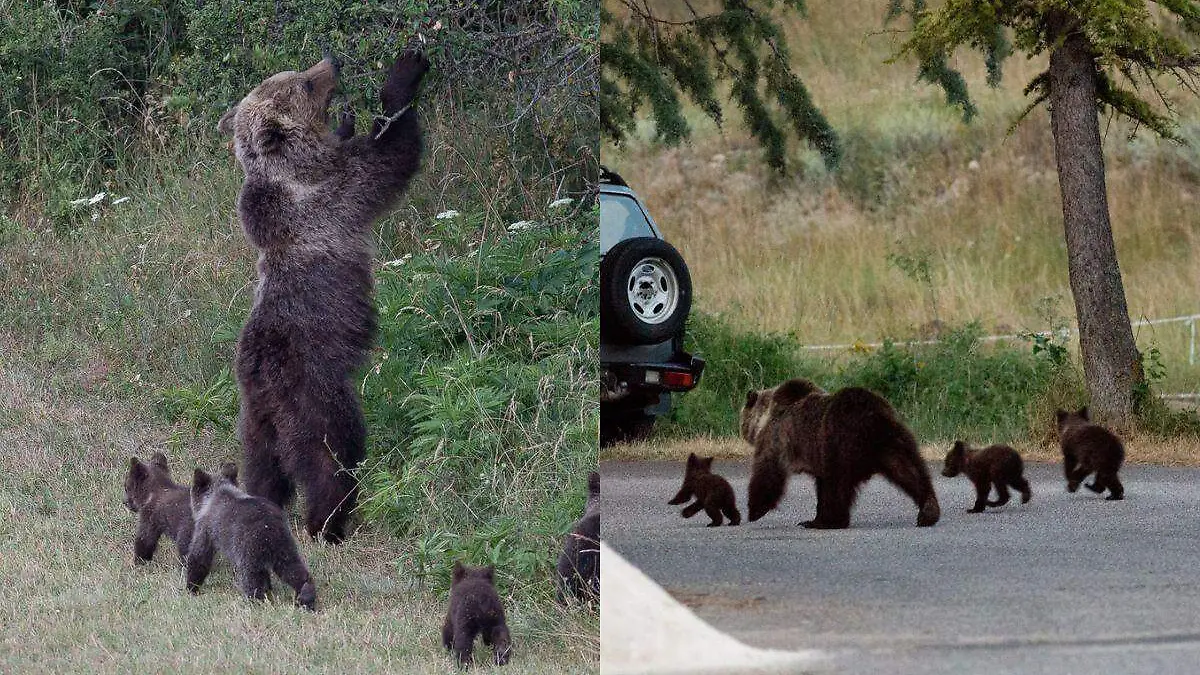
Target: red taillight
<point>677,379</point>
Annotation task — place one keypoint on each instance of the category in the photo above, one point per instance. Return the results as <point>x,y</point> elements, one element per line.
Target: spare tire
<point>645,292</point>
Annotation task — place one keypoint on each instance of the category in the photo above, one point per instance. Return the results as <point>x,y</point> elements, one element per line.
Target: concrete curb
<point>644,631</point>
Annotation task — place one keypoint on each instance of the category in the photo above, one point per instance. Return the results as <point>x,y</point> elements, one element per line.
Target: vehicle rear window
<point>620,218</point>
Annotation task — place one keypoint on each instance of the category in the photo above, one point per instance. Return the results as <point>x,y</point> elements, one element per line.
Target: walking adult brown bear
<point>841,439</point>
<point>307,205</point>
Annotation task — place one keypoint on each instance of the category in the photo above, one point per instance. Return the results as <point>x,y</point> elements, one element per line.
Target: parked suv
<point>645,297</point>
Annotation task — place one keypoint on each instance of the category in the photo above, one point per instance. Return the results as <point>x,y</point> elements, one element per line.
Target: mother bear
<point>307,204</point>
<point>842,439</point>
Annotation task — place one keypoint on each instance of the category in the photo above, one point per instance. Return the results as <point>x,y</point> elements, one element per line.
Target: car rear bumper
<point>646,379</point>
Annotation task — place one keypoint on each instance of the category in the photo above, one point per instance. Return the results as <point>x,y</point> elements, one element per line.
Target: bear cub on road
<point>251,532</point>
<point>995,465</point>
<point>475,609</point>
<point>713,493</point>
<point>1088,448</point>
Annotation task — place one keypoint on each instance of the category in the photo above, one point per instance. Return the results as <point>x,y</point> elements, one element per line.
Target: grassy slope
<point>96,322</point>
<point>809,255</point>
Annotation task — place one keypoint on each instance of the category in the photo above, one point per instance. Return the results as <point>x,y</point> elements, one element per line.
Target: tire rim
<point>653,290</point>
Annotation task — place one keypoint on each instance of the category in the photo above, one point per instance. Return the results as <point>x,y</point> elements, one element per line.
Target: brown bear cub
<point>995,465</point>
<point>1089,448</point>
<point>712,492</point>
<point>251,532</point>
<point>579,563</point>
<point>307,204</point>
<point>841,439</point>
<point>475,609</point>
<point>163,507</point>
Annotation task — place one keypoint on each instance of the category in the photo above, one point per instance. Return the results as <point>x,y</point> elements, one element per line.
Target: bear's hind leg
<point>731,512</point>
<point>981,497</point>
<point>262,474</point>
<point>255,580</point>
<point>1021,485</point>
<point>1116,491</point>
<point>906,471</point>
<point>835,497</point>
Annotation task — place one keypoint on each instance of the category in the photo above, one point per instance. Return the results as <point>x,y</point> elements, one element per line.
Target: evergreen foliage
<point>1132,43</point>
<point>651,56</point>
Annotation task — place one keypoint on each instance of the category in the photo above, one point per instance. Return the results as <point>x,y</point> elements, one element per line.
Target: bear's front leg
<point>403,81</point>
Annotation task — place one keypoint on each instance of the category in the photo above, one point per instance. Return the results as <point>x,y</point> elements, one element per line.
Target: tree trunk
<point>1110,357</point>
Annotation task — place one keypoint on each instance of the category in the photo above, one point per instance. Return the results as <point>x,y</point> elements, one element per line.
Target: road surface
<point>1069,583</point>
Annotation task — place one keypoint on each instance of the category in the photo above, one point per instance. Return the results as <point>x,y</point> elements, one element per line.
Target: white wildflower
<point>447,215</point>
<point>95,216</point>
<point>398,261</point>
<point>561,202</point>
<point>89,201</point>
<point>122,200</point>
<point>521,226</point>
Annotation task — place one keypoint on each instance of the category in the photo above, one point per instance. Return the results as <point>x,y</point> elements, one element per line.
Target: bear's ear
<point>692,460</point>
<point>1083,412</point>
<point>459,571</point>
<point>594,483</point>
<point>489,572</point>
<point>159,460</point>
<point>959,446</point>
<point>225,126</point>
<point>751,398</point>
<point>269,139</point>
<point>706,463</point>
<point>136,469</point>
<point>230,471</point>
<point>1060,414</point>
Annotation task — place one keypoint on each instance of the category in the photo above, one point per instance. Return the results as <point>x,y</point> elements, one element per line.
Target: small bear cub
<point>713,493</point>
<point>995,465</point>
<point>163,507</point>
<point>475,609</point>
<point>251,532</point>
<point>1088,448</point>
<point>579,563</point>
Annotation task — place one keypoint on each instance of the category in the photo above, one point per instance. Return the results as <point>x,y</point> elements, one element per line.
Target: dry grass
<point>808,254</point>
<point>71,600</point>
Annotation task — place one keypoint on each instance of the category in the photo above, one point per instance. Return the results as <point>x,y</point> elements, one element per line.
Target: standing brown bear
<point>307,205</point>
<point>842,439</point>
<point>1089,447</point>
<point>713,493</point>
<point>998,465</point>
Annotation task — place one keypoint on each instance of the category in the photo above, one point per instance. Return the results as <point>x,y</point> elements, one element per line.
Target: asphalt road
<point>1069,583</point>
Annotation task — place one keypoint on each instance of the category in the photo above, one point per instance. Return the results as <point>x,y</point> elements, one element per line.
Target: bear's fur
<point>712,492</point>
<point>307,204</point>
<point>579,562</point>
<point>251,532</point>
<point>841,439</point>
<point>162,506</point>
<point>475,609</point>
<point>995,465</point>
<point>1088,448</point>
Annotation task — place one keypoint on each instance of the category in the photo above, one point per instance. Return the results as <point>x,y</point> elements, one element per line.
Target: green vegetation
<point>121,315</point>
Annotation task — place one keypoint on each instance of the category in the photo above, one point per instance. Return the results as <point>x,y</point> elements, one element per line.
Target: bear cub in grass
<point>996,465</point>
<point>162,505</point>
<point>579,563</point>
<point>251,532</point>
<point>1089,448</point>
<point>841,439</point>
<point>475,609</point>
<point>306,206</point>
<point>712,492</point>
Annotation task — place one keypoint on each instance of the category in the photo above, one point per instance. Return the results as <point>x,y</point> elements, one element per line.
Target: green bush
<point>482,401</point>
<point>957,387</point>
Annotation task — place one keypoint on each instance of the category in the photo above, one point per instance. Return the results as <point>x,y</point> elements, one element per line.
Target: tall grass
<point>813,254</point>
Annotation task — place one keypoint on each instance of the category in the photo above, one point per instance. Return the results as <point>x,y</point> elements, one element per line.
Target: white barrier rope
<point>1066,332</point>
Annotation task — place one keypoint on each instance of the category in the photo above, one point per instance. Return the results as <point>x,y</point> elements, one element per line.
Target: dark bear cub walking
<point>1088,448</point>
<point>251,532</point>
<point>579,563</point>
<point>713,493</point>
<point>475,609</point>
<point>163,507</point>
<point>995,465</point>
